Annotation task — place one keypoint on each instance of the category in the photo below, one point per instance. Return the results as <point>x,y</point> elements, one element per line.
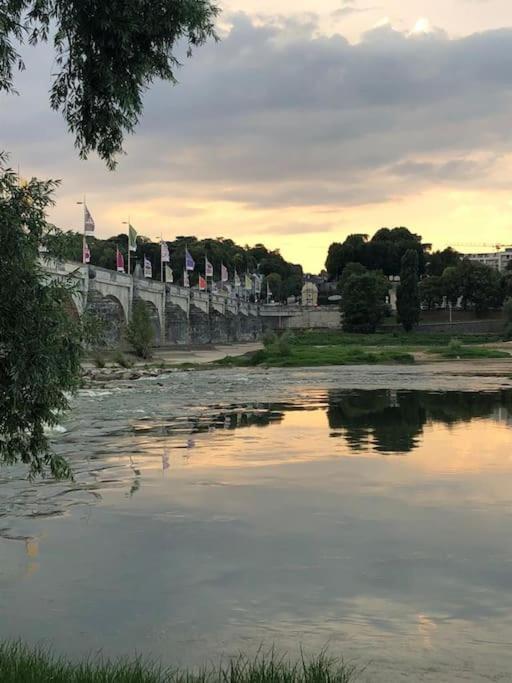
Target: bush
<point>99,361</point>
<point>121,360</point>
<point>508,332</point>
<point>140,333</point>
<point>283,345</point>
<point>454,347</point>
<point>269,338</point>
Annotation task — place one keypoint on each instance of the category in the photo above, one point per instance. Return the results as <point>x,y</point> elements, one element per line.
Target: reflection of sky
<point>281,534</point>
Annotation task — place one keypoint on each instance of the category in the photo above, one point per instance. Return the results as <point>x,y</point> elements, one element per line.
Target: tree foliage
<point>139,332</point>
<point>431,292</point>
<point>40,343</point>
<point>407,296</point>
<point>439,261</point>
<point>363,302</point>
<point>107,53</point>
<point>475,285</point>
<point>384,252</point>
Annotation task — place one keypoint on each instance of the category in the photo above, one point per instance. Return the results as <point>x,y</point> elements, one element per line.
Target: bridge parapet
<point>179,296</point>
<point>218,303</point>
<point>113,285</point>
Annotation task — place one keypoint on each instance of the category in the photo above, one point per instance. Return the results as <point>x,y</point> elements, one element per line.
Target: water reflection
<point>201,526</point>
<point>393,421</point>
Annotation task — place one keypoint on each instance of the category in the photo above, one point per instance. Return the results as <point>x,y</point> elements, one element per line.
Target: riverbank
<point>21,664</point>
<point>308,349</point>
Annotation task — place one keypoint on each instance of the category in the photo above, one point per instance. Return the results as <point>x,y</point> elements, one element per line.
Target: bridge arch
<point>110,310</point>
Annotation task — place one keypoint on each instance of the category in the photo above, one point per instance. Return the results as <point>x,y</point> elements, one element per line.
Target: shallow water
<point>368,509</point>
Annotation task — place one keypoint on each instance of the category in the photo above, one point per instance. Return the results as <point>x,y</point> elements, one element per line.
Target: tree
<point>451,283</point>
<point>139,332</point>
<point>439,261</point>
<point>431,292</point>
<point>407,296</point>
<point>384,252</point>
<point>349,270</point>
<point>481,286</point>
<point>40,344</point>
<point>107,53</point>
<point>363,302</point>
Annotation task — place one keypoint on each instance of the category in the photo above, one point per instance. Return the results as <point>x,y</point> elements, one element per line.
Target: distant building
<point>495,259</point>
<point>310,294</point>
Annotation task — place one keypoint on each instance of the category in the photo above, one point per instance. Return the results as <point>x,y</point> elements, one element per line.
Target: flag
<point>148,268</point>
<point>224,275</point>
<point>257,284</point>
<point>248,282</point>
<point>208,268</point>
<point>202,283</point>
<point>237,279</point>
<point>119,261</point>
<point>186,281</point>
<point>169,276</point>
<point>269,293</point>
<point>190,264</point>
<point>88,221</point>
<point>164,252</point>
<point>86,253</point>
<point>132,238</point>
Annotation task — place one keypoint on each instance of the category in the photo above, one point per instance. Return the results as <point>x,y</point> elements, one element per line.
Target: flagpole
<point>161,261</point>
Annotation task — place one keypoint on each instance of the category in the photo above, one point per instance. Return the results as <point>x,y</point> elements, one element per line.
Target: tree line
<point>362,268</point>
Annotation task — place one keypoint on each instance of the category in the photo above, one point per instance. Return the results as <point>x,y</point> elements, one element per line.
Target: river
<point>365,509</point>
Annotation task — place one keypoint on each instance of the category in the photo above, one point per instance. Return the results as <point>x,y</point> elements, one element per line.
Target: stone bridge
<point>179,315</point>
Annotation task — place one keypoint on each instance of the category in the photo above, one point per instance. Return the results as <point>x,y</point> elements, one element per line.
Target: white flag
<point>169,276</point>
<point>88,221</point>
<point>208,268</point>
<point>164,252</point>
<point>148,268</point>
<point>186,281</point>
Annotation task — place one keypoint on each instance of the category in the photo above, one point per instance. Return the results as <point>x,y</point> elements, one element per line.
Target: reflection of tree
<point>393,424</point>
<point>394,421</point>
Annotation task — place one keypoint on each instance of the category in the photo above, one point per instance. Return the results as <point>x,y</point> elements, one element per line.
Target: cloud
<point>279,116</point>
<point>350,8</point>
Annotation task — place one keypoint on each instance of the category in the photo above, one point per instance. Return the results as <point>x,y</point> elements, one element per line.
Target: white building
<point>495,259</point>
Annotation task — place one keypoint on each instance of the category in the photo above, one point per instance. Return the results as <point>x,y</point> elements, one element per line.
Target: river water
<point>364,509</point>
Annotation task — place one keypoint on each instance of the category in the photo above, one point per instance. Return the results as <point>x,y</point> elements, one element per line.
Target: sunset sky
<point>311,120</point>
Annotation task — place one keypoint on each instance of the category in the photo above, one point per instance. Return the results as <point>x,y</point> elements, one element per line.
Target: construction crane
<point>498,247</point>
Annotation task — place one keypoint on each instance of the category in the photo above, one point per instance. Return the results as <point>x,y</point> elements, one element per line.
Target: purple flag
<point>190,264</point>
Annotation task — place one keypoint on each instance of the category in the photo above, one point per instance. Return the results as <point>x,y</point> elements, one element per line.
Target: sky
<point>309,121</point>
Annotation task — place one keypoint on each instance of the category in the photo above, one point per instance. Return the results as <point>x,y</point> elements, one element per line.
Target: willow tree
<point>107,53</point>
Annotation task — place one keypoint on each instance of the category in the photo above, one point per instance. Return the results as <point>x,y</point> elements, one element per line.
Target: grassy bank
<point>321,348</point>
<point>402,339</point>
<point>298,356</point>
<point>20,664</point>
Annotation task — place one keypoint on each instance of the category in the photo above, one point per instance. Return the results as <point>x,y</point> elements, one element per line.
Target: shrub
<point>98,360</point>
<point>140,333</point>
<point>454,347</point>
<point>269,338</point>
<point>121,360</point>
<point>283,344</point>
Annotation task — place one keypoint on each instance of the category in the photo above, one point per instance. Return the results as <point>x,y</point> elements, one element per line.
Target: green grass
<point>20,664</point>
<point>317,356</point>
<point>469,352</point>
<point>334,338</point>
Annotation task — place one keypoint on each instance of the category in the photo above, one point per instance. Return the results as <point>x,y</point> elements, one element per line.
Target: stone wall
<point>200,332</point>
<point>110,311</point>
<point>177,325</point>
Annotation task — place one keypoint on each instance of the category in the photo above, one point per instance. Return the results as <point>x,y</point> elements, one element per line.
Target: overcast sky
<point>309,121</point>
